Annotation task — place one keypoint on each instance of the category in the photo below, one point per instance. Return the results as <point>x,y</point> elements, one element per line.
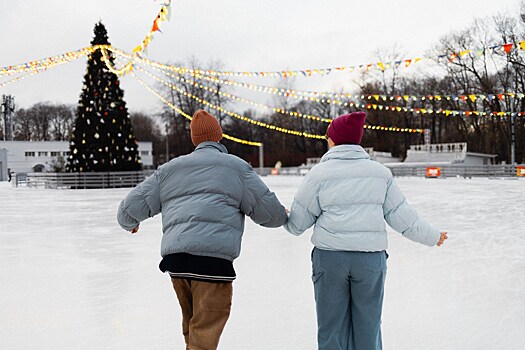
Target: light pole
<point>167,143</point>
<point>261,159</point>
<point>512,135</point>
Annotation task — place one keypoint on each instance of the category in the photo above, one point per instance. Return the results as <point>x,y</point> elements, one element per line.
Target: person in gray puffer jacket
<point>203,197</point>
<point>347,198</point>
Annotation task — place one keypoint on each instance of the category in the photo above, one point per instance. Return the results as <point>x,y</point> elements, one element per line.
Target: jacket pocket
<point>317,274</point>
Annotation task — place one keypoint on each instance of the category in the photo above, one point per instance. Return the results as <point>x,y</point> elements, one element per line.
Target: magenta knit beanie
<point>347,129</point>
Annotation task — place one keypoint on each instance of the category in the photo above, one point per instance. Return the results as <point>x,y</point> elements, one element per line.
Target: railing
<point>489,171</point>
<point>85,180</point>
<point>133,178</point>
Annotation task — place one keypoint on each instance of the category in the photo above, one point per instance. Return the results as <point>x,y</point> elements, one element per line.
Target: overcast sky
<point>242,34</point>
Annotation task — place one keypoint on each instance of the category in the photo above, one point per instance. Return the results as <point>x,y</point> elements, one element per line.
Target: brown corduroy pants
<point>205,309</point>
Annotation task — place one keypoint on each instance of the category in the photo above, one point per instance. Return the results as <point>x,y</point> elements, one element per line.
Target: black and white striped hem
<point>202,277</point>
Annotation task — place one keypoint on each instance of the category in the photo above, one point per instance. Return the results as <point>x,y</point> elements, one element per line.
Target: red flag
<point>507,48</point>
<point>155,25</point>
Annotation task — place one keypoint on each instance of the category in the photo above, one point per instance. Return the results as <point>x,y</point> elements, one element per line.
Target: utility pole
<point>8,108</point>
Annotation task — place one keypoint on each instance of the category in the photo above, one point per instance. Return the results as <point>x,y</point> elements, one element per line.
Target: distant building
<point>446,154</point>
<point>380,157</point>
<point>3,164</point>
<point>37,156</point>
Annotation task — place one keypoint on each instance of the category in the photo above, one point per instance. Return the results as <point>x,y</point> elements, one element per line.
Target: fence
<point>133,178</point>
<point>83,180</point>
<point>489,171</point>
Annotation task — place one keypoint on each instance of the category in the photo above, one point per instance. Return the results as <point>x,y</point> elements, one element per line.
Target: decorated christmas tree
<point>103,137</point>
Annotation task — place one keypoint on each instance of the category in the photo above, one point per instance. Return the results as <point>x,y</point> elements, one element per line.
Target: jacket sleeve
<point>305,208</point>
<point>404,219</point>
<point>141,203</point>
<point>259,203</point>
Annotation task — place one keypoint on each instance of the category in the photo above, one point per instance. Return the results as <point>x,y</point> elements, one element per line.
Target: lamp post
<point>167,143</point>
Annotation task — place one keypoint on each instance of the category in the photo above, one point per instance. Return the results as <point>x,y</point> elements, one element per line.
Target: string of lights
<point>235,115</point>
<point>241,99</point>
<point>332,98</point>
<point>17,79</point>
<point>382,66</point>
<point>368,106</point>
<point>187,116</point>
<point>279,110</point>
<point>41,65</point>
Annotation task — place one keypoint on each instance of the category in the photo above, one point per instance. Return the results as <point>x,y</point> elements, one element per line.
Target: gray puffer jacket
<point>203,197</point>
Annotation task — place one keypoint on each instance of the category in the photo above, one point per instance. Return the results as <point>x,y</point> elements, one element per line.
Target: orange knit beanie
<point>204,127</point>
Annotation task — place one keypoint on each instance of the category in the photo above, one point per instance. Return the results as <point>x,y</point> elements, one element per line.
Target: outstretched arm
<point>141,203</point>
<point>405,219</point>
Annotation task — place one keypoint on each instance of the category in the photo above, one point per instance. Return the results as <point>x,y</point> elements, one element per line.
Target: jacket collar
<point>212,145</point>
<point>345,152</point>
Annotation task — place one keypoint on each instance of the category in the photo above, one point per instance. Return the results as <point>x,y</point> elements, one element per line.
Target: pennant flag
<point>155,25</point>
<point>381,66</point>
<point>454,55</point>
<point>522,44</point>
<point>407,63</point>
<point>472,98</point>
<point>501,97</point>
<point>463,53</point>
<point>418,59</point>
<point>507,48</point>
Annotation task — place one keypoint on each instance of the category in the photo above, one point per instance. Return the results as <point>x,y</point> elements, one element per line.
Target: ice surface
<point>70,278</point>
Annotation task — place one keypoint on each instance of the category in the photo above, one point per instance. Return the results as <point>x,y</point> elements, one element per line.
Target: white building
<point>380,157</point>
<point>447,154</point>
<point>37,156</point>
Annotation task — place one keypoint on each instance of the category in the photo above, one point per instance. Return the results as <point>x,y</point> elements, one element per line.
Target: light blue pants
<point>349,290</point>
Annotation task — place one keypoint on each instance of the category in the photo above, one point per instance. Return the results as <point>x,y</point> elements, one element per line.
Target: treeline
<point>477,71</point>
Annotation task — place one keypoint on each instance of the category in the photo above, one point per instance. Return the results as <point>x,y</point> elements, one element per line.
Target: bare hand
<point>442,238</point>
<point>135,230</point>
<point>287,211</point>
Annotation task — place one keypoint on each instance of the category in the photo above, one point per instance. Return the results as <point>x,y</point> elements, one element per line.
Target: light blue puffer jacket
<point>204,197</point>
<point>348,197</point>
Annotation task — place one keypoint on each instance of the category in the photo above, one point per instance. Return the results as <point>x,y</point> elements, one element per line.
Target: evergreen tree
<point>103,137</point>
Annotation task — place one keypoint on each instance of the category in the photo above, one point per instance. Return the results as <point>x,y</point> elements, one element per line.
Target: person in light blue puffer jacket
<point>348,198</point>
<point>204,198</point>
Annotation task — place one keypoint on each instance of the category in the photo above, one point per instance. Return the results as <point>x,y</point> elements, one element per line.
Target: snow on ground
<point>72,279</point>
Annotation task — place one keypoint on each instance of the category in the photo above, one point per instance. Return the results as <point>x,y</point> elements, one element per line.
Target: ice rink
<point>71,278</point>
